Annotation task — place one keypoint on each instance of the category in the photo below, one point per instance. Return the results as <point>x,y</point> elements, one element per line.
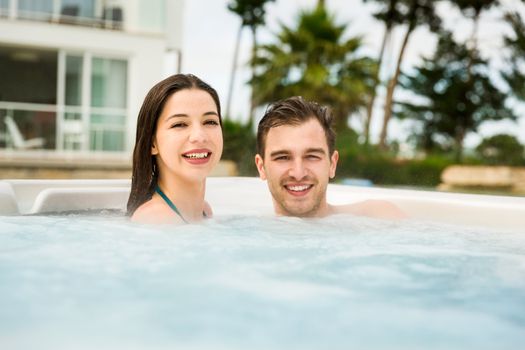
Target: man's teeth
<point>298,188</point>
<point>197,155</point>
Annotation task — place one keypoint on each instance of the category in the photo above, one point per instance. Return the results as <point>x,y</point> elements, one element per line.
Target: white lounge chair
<point>72,131</point>
<point>18,139</point>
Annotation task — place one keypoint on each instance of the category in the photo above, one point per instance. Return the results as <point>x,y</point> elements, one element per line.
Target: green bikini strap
<point>169,202</point>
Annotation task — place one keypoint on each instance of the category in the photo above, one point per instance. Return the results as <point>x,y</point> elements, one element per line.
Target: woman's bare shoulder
<point>155,212</point>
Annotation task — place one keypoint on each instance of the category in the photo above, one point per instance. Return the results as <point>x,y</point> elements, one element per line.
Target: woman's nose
<point>198,134</point>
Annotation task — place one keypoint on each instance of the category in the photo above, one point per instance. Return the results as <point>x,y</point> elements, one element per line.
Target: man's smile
<point>298,189</point>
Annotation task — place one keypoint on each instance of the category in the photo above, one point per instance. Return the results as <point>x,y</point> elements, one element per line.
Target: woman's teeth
<point>196,155</point>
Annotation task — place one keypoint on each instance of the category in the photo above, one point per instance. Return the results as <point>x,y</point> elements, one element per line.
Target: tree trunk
<point>234,70</point>
<point>252,65</point>
<point>370,106</point>
<point>391,88</point>
<point>473,45</point>
<point>460,136</point>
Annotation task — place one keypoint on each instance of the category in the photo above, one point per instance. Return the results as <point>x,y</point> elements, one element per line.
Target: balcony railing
<point>68,128</point>
<point>109,18</point>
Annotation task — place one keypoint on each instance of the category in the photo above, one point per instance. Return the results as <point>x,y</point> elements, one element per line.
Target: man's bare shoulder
<point>375,208</point>
<point>155,212</point>
<point>208,212</point>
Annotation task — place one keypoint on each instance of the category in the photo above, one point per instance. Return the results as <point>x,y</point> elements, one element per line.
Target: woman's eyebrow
<point>184,115</point>
<point>177,115</point>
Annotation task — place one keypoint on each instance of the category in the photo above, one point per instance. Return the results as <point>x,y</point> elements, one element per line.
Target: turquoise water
<point>259,283</point>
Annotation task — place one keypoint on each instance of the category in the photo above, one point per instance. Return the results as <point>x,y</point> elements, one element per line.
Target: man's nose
<point>198,134</point>
<point>298,171</point>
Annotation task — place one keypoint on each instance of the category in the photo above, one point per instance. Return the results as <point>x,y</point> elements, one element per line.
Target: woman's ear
<point>154,149</point>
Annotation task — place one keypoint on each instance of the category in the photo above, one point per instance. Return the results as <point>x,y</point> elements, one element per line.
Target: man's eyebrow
<point>279,153</point>
<point>316,150</point>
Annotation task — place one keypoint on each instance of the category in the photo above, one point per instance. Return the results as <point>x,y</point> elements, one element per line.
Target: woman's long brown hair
<point>145,172</point>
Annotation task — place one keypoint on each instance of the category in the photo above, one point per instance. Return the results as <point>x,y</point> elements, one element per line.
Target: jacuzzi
<point>75,273</point>
<point>242,195</point>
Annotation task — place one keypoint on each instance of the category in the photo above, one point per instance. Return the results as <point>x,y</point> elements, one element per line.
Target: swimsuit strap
<point>169,202</point>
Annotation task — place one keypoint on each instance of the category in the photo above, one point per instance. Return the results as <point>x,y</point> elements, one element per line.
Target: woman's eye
<point>211,122</point>
<point>178,125</point>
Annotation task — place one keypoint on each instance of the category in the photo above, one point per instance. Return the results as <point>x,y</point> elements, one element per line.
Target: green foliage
<point>239,146</point>
<point>472,8</point>
<point>251,12</point>
<point>501,150</point>
<point>388,12</point>
<point>314,61</point>
<point>383,169</point>
<point>456,96</point>
<point>515,74</point>
<point>411,12</point>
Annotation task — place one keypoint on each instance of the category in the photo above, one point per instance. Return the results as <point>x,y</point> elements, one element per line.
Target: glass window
<point>30,125</point>
<point>78,8</point>
<point>107,132</point>
<point>35,9</point>
<point>108,92</point>
<point>28,75</point>
<point>4,8</point>
<point>109,83</point>
<point>73,80</point>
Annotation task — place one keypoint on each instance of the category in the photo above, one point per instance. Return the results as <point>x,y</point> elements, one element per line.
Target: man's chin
<point>299,211</point>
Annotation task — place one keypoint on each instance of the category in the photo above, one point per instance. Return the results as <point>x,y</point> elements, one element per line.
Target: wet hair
<point>145,171</point>
<point>295,111</point>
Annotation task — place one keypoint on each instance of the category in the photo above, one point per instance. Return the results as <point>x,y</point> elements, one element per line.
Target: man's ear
<point>154,148</point>
<point>259,163</point>
<point>333,163</point>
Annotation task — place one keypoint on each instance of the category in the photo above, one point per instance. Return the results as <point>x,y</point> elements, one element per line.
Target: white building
<point>75,72</point>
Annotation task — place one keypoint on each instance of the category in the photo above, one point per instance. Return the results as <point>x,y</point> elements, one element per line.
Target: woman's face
<point>188,140</point>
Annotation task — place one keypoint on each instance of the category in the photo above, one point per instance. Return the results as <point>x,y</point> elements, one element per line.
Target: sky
<point>210,31</point>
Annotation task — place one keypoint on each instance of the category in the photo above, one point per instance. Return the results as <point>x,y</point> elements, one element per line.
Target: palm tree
<point>473,9</point>
<point>451,105</point>
<point>388,14</point>
<point>313,60</point>
<point>252,14</point>
<point>515,74</point>
<point>413,13</point>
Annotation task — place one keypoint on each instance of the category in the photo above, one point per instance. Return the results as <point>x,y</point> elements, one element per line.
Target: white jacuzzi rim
<point>28,196</point>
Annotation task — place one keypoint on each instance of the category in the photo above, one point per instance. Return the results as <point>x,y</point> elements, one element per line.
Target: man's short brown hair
<point>295,111</point>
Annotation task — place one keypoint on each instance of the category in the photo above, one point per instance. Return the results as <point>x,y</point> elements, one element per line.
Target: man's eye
<point>313,157</point>
<point>282,158</point>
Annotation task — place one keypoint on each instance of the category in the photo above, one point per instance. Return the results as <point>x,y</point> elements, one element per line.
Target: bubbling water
<point>248,282</point>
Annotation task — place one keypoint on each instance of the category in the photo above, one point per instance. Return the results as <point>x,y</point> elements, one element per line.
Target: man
<point>296,155</point>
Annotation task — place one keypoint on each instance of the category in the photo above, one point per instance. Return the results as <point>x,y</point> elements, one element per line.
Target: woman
<point>178,143</point>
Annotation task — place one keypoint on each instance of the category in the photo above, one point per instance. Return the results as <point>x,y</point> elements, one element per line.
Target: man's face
<point>298,166</point>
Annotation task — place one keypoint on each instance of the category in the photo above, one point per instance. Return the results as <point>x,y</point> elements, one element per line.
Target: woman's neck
<point>188,196</point>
